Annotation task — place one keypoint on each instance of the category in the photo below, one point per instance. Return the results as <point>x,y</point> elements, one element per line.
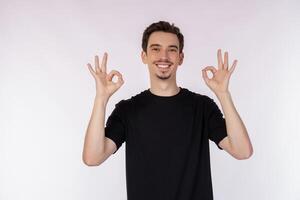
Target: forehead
<point>163,39</point>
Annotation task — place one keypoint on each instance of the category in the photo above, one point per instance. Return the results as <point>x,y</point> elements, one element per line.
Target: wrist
<point>101,99</point>
<point>222,95</point>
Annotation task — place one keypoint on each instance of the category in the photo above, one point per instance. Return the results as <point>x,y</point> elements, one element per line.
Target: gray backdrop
<point>47,92</point>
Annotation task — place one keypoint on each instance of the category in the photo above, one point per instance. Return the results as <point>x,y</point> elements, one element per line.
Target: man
<point>166,128</point>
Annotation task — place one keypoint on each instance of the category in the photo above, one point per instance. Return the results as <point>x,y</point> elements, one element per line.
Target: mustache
<point>163,61</point>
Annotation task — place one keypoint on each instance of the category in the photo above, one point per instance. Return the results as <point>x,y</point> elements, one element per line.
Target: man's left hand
<point>220,80</point>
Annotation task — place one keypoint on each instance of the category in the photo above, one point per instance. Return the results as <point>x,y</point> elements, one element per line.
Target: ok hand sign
<point>105,87</point>
<point>220,80</point>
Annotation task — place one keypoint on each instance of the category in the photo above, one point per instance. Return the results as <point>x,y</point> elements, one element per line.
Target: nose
<point>163,54</point>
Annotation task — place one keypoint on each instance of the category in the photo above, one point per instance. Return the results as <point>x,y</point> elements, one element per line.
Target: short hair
<point>165,27</point>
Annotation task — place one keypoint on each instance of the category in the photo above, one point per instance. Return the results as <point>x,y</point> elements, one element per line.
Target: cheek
<point>174,56</point>
<point>176,60</point>
<point>153,57</point>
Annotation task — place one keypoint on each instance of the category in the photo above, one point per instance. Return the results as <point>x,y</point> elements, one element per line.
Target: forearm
<point>94,143</point>
<point>236,130</point>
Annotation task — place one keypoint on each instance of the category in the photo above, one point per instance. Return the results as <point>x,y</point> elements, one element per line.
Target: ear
<point>181,55</point>
<point>144,57</point>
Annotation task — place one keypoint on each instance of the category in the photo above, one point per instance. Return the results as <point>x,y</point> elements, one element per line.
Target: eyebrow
<point>158,45</point>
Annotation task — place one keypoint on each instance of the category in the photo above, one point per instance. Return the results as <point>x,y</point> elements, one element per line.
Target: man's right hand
<point>105,87</point>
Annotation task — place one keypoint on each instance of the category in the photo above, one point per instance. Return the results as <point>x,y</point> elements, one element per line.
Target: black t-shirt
<point>167,144</point>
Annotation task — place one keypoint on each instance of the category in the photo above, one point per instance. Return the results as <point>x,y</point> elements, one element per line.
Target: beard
<point>163,77</point>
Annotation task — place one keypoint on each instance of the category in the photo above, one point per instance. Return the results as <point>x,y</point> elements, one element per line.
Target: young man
<point>166,128</point>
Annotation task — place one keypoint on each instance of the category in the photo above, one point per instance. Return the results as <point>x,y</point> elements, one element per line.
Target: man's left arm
<point>237,143</point>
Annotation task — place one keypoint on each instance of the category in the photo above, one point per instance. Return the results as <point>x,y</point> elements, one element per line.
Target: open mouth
<point>163,66</point>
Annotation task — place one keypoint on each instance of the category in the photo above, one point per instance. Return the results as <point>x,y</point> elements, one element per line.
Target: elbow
<point>89,161</point>
<point>91,157</point>
<point>246,155</point>
<point>243,157</point>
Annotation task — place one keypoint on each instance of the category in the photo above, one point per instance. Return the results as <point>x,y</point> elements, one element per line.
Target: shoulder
<point>201,98</point>
<point>207,100</point>
<point>127,103</point>
<point>136,99</point>
<point>206,103</point>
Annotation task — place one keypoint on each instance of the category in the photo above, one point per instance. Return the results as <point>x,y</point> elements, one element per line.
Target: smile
<point>163,66</point>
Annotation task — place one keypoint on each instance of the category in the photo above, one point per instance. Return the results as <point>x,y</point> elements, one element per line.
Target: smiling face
<point>162,56</point>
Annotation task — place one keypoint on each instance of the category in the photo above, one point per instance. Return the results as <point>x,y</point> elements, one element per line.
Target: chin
<point>164,77</point>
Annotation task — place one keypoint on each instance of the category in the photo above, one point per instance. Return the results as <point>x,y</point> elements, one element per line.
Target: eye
<point>173,50</point>
<point>155,49</point>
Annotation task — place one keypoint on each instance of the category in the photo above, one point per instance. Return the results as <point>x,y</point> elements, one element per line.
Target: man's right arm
<point>97,147</point>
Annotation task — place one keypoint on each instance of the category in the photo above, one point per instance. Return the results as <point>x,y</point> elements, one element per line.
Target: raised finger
<point>226,60</point>
<point>97,64</point>
<point>220,61</point>
<point>233,66</point>
<point>104,62</point>
<point>91,69</point>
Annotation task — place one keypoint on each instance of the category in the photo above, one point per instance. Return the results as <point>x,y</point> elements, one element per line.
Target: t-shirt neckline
<point>165,97</point>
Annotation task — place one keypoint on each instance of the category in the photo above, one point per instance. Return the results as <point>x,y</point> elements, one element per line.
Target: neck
<point>164,89</point>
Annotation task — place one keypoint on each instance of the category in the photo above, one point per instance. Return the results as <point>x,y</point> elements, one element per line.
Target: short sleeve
<point>216,122</point>
<point>116,126</point>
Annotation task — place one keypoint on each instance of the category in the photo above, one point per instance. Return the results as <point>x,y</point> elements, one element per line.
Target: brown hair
<point>165,27</point>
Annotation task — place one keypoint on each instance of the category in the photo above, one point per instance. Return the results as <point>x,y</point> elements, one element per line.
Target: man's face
<point>162,55</point>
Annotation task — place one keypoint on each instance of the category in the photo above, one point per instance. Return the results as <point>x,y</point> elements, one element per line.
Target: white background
<point>47,92</point>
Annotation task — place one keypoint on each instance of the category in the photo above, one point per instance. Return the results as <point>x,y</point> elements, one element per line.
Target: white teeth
<point>163,66</point>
